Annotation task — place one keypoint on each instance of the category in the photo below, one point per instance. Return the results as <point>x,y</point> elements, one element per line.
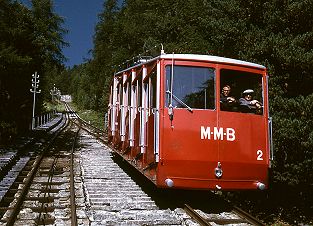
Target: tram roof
<point>197,57</point>
<point>210,58</point>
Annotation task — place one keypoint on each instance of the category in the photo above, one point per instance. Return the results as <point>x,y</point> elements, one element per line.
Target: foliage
<point>294,137</point>
<point>31,40</point>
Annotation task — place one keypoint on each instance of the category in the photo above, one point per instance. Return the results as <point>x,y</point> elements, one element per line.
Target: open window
<point>241,84</point>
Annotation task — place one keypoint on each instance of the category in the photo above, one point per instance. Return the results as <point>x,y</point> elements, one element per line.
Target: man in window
<point>228,103</point>
<point>247,103</point>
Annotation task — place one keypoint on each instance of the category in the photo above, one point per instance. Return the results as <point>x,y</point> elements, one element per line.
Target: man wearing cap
<point>247,104</point>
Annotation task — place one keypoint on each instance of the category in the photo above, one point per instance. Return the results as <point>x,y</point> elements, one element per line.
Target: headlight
<point>218,170</point>
<point>169,182</point>
<point>260,186</point>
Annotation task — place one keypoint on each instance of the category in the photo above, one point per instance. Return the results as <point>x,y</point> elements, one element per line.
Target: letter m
<point>218,133</point>
<point>205,133</point>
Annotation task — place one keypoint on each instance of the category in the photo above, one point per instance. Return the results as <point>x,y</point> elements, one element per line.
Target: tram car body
<point>165,117</point>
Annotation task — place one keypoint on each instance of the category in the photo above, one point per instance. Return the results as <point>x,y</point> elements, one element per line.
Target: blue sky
<point>81,17</point>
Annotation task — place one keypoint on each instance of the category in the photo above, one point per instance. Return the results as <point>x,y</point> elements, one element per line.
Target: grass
<point>49,106</point>
<point>93,117</point>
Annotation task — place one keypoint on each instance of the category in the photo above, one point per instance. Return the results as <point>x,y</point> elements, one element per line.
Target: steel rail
<point>244,217</point>
<point>191,212</point>
<point>248,217</point>
<point>20,200</point>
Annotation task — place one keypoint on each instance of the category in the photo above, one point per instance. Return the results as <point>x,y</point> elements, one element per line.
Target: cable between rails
<point>72,186</point>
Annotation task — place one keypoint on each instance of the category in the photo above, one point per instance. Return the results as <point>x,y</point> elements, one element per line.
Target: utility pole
<point>54,96</point>
<point>35,84</point>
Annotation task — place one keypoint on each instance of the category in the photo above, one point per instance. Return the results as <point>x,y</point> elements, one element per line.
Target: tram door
<point>124,103</point>
<point>151,84</point>
<point>189,118</point>
<point>242,141</point>
<point>113,107</point>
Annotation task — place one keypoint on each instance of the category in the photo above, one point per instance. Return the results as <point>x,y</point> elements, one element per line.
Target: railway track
<point>80,181</point>
<point>96,132</point>
<point>233,217</point>
<point>40,194</point>
<point>13,159</point>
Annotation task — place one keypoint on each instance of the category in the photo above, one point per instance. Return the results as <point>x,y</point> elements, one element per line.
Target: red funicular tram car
<point>166,117</point>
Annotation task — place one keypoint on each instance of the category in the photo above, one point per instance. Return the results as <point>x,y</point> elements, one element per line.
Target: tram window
<point>111,96</point>
<point>152,98</point>
<point>117,95</point>
<point>192,86</point>
<point>129,93</point>
<point>241,83</point>
<point>139,91</point>
<point>125,93</point>
<point>121,94</point>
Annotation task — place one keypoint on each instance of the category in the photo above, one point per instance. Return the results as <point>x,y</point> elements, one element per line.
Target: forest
<point>274,33</point>
<point>31,41</point>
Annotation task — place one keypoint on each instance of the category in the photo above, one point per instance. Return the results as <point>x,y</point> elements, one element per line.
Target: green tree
<point>31,40</point>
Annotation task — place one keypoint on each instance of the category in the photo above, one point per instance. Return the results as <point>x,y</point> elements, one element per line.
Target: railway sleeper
<point>50,190</point>
<point>50,173</point>
<point>48,199</point>
<point>43,209</point>
<point>226,221</point>
<point>45,219</point>
<point>4,209</point>
<point>7,200</point>
<point>47,183</point>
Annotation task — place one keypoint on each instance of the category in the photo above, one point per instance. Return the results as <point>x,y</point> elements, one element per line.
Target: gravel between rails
<point>108,196</point>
